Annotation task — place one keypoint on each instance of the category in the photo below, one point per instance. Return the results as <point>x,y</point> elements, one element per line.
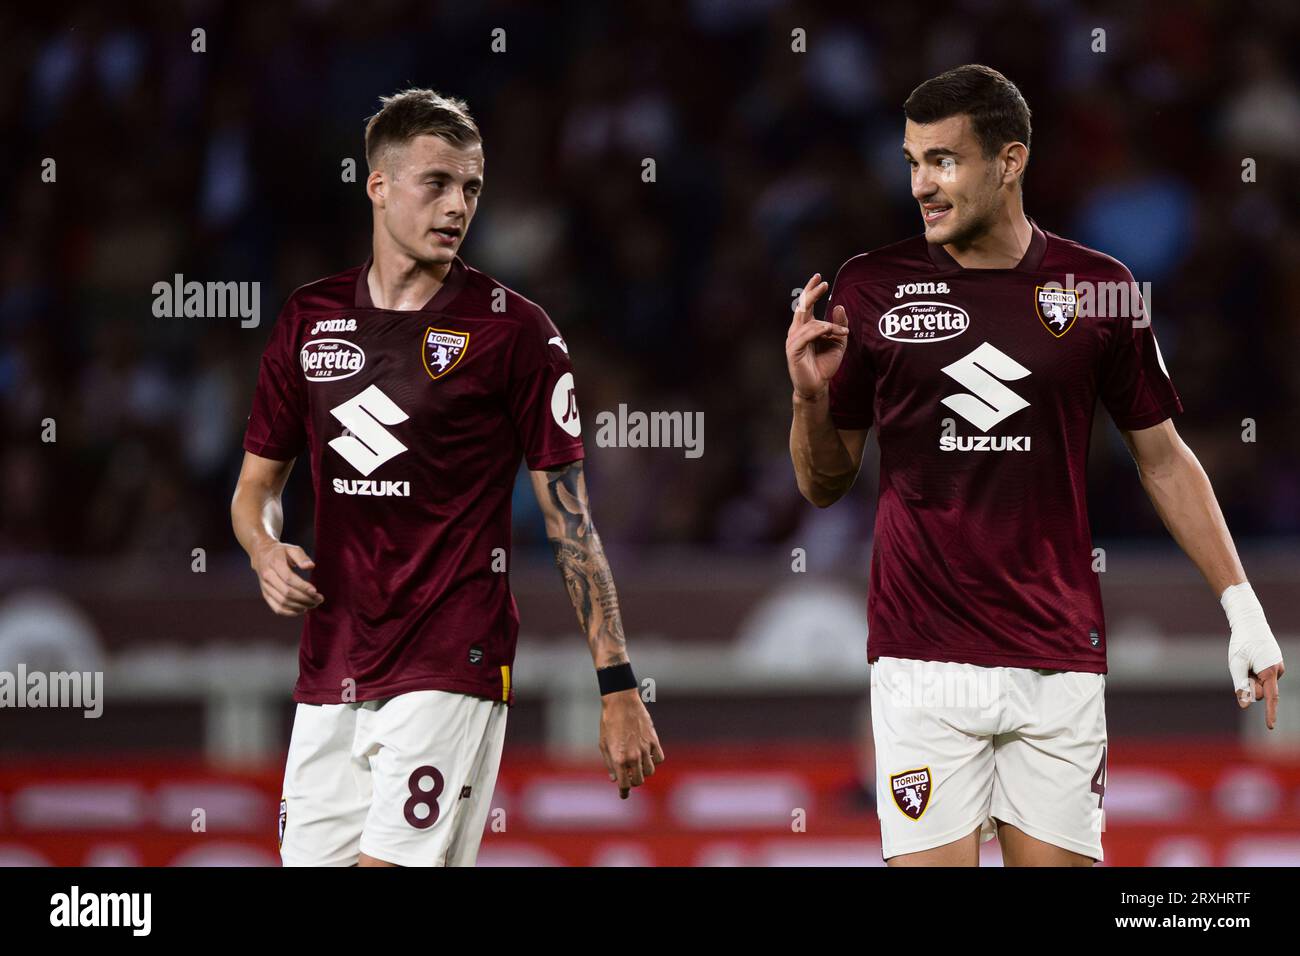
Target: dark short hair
<point>998,113</point>
<point>412,113</point>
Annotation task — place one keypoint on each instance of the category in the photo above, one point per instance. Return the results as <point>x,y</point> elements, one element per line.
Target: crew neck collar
<point>1029,262</point>
<point>452,283</point>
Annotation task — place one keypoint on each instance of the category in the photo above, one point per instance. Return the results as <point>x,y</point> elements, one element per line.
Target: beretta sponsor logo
<point>924,322</point>
<point>327,360</point>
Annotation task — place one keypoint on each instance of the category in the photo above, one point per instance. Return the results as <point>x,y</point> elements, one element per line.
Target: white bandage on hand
<point>1252,647</point>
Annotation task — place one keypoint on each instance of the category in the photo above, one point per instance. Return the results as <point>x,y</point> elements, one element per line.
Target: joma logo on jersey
<point>922,288</point>
<point>443,350</point>
<point>986,402</point>
<point>911,791</point>
<point>328,360</point>
<point>334,325</point>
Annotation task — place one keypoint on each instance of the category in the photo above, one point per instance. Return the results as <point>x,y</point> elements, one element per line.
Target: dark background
<point>226,165</point>
<point>673,296</point>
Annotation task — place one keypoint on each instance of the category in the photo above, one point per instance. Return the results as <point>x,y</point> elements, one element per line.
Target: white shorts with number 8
<point>406,780</point>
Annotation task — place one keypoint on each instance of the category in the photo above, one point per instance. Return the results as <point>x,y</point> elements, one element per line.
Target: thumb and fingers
<point>1263,686</point>
<point>609,761</point>
<point>284,590</point>
<point>630,764</point>
<point>813,290</point>
<point>299,558</point>
<point>1252,687</point>
<point>283,568</point>
<point>815,329</point>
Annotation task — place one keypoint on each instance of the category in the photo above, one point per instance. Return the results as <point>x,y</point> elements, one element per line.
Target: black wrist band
<point>615,678</point>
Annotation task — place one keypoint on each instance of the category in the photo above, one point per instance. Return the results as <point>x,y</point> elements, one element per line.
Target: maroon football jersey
<point>415,423</point>
<point>981,385</point>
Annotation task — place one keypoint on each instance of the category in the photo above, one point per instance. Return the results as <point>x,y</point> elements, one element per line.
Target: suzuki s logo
<point>982,372</point>
<point>986,402</point>
<point>366,443</point>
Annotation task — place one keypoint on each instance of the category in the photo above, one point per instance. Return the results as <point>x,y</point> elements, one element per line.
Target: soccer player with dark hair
<point>416,384</point>
<point>978,352</point>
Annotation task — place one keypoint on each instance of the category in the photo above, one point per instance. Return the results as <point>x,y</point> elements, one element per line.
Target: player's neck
<point>1001,247</point>
<point>401,283</point>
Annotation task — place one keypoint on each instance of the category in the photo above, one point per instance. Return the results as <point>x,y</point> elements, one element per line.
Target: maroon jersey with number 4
<point>981,385</point>
<point>415,423</point>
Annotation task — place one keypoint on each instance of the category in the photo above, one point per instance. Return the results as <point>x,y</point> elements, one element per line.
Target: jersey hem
<point>379,692</point>
<point>1027,661</point>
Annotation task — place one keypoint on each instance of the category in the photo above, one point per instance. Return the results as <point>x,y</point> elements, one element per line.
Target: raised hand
<point>814,348</point>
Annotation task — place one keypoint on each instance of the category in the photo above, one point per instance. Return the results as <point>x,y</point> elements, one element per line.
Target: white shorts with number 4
<point>406,780</point>
<point>959,746</point>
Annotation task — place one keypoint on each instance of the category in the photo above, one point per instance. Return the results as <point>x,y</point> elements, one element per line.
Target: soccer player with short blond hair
<point>415,385</point>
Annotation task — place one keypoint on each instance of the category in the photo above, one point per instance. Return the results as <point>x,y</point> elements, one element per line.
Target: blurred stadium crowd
<point>673,295</point>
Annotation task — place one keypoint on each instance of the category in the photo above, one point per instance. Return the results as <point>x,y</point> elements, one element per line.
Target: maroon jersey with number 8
<point>414,423</point>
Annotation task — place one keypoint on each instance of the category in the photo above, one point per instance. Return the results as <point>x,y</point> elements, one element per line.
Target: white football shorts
<point>406,780</point>
<point>959,746</point>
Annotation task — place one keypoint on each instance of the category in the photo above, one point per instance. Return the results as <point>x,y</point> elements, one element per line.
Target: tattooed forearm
<point>582,563</point>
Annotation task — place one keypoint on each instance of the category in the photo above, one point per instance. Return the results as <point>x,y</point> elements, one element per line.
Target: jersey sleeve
<point>277,424</point>
<point>853,387</point>
<point>1135,384</point>
<point>541,395</point>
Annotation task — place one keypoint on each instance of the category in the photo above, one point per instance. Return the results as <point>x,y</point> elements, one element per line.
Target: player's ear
<point>377,187</point>
<point>1014,158</point>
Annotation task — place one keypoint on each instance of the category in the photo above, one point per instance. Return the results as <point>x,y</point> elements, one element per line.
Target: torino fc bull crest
<point>1057,308</point>
<point>911,790</point>
<point>442,350</point>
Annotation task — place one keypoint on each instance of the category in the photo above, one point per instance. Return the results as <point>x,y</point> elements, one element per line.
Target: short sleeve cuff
<point>553,459</point>
<point>268,450</point>
<point>1165,411</point>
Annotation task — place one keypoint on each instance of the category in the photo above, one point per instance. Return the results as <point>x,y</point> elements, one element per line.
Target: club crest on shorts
<point>911,790</point>
<point>1057,308</point>
<point>284,815</point>
<point>442,350</point>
